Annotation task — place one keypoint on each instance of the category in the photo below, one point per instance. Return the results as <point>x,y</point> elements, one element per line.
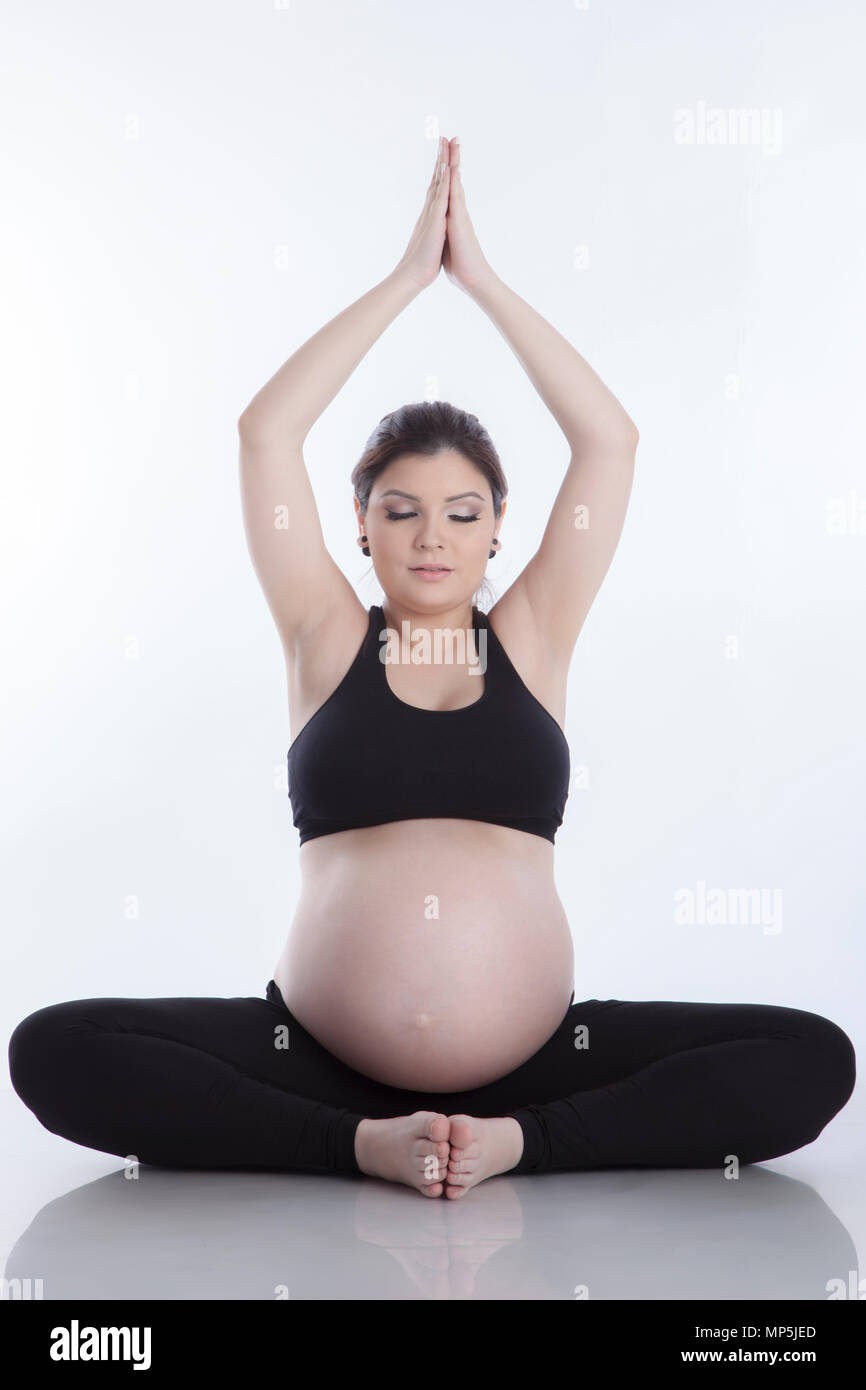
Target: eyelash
<point>400,516</point>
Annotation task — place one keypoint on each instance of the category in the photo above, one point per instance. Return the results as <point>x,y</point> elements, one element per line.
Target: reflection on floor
<point>73,1220</point>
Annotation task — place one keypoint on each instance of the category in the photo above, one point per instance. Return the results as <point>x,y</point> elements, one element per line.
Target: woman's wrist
<point>482,285</point>
<point>402,277</point>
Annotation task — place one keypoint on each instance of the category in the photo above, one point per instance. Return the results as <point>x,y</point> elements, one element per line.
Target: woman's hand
<point>422,259</point>
<point>465,263</point>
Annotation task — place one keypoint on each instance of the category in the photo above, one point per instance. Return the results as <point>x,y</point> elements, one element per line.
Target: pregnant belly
<point>430,955</point>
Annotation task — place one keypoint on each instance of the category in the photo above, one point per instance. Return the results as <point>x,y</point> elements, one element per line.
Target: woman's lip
<point>426,572</point>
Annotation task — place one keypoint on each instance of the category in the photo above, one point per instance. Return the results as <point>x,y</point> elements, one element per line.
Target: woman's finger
<point>444,178</point>
<point>437,167</point>
<point>431,187</point>
<point>436,180</point>
<point>455,181</point>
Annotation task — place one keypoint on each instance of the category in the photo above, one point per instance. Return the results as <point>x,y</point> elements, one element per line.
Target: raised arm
<point>300,580</point>
<point>556,588</point>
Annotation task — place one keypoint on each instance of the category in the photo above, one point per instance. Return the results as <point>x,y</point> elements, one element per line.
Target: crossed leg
<point>238,1083</point>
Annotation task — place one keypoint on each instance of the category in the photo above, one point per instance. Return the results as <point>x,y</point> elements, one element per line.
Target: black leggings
<point>238,1083</point>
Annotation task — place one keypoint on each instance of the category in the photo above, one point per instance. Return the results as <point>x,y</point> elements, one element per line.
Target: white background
<point>190,191</point>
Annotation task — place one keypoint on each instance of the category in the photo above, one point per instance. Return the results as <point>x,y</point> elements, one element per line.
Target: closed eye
<point>401,516</point>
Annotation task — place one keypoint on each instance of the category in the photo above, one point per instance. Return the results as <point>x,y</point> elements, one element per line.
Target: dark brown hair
<point>427,427</point>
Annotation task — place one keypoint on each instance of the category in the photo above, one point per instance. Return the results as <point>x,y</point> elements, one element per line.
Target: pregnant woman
<point>420,1025</point>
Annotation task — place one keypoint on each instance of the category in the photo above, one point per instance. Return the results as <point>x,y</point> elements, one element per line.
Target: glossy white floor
<point>790,1228</point>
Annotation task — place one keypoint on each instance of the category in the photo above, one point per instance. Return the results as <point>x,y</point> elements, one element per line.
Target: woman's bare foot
<point>412,1149</point>
<point>480,1149</point>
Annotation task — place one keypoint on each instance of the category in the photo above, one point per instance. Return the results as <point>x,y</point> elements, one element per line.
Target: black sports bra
<point>366,757</point>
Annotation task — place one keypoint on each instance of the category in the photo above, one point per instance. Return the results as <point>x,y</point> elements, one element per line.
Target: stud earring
<point>362,541</point>
<point>495,541</point>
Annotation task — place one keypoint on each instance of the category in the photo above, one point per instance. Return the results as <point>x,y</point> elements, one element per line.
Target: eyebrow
<point>395,492</point>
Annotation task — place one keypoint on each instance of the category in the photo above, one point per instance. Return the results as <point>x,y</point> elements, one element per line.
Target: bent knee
<point>831,1057</point>
<point>36,1046</point>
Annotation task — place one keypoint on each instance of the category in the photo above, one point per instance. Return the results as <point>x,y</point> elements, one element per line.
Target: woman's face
<point>430,510</point>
